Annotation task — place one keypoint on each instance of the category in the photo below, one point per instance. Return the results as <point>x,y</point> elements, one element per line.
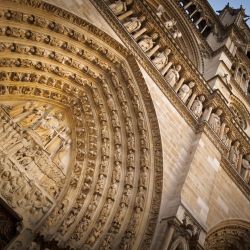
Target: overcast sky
<point>220,4</point>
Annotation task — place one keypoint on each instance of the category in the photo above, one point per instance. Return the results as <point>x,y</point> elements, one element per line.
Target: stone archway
<point>79,132</point>
<point>231,234</point>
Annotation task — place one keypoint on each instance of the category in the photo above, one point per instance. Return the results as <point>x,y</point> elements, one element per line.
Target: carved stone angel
<point>134,23</point>
<point>197,106</point>
<point>214,120</point>
<point>147,42</point>
<point>173,75</point>
<point>185,91</point>
<point>119,7</point>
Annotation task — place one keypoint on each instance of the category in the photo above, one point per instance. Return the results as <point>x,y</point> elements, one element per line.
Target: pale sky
<point>220,4</point>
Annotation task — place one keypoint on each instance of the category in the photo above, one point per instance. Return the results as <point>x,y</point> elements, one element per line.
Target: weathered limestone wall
<point>177,143</point>
<point>209,192</point>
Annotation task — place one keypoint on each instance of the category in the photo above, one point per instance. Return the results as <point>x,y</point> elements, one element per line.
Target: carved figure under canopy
<point>234,153</point>
<point>214,120</point>
<point>134,23</point>
<point>173,75</point>
<point>185,91</point>
<point>245,170</point>
<point>147,42</point>
<point>225,137</point>
<point>197,106</point>
<point>170,23</point>
<point>161,59</point>
<point>119,7</point>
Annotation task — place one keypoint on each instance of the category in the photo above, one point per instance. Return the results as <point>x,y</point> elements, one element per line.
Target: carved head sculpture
<point>226,130</point>
<point>142,18</point>
<point>59,116</point>
<point>218,112</point>
<point>236,144</point>
<point>178,68</point>
<point>167,51</point>
<point>202,98</point>
<point>191,85</point>
<point>155,36</point>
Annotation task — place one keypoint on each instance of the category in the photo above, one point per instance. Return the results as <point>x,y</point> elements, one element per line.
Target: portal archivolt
<point>79,160</point>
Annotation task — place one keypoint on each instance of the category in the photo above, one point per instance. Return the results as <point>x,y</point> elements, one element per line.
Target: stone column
<point>168,237</point>
<point>152,51</point>
<point>125,15</point>
<point>166,68</point>
<point>198,21</point>
<point>139,33</point>
<point>204,29</point>
<point>191,101</point>
<point>187,5</point>
<point>239,163</point>
<point>206,114</point>
<point>222,129</point>
<point>179,84</point>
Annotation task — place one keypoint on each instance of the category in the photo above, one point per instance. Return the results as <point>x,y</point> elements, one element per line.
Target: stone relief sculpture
<point>170,23</point>
<point>147,42</point>
<point>197,106</point>
<point>215,121</point>
<point>234,153</point>
<point>37,140</point>
<point>173,75</point>
<point>161,59</point>
<point>225,137</point>
<point>134,23</point>
<point>185,91</point>
<point>245,168</point>
<point>119,7</point>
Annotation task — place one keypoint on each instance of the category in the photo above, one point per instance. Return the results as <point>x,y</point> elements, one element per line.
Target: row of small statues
<point>122,9</point>
<point>19,192</point>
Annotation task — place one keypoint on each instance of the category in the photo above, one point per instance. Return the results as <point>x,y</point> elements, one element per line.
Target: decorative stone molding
<point>231,234</point>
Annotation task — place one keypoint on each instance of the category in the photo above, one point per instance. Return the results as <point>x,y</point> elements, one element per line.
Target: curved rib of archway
<point>230,234</point>
<point>81,129</point>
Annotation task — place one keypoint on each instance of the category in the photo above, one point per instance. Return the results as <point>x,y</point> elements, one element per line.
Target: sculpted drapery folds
<point>76,120</point>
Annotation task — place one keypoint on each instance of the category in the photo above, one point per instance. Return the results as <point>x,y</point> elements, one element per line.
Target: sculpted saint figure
<point>161,59</point>
<point>119,7</point>
<point>134,23</point>
<point>197,106</point>
<point>234,153</point>
<point>245,170</point>
<point>170,23</point>
<point>185,91</point>
<point>225,138</point>
<point>147,42</point>
<point>214,120</point>
<point>33,118</point>
<point>173,75</point>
